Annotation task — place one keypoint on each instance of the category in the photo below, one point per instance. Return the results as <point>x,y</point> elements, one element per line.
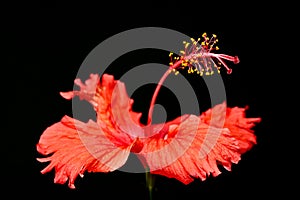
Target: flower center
<point>137,146</point>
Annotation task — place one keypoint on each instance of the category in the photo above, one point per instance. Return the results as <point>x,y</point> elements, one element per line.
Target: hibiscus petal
<point>74,147</point>
<point>121,113</point>
<point>236,121</point>
<point>87,91</point>
<point>110,101</point>
<point>194,148</point>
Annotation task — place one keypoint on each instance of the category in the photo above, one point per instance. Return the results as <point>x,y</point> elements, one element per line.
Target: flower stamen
<point>197,57</point>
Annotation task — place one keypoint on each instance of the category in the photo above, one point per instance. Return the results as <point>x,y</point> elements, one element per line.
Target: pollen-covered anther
<point>184,64</point>
<point>186,45</point>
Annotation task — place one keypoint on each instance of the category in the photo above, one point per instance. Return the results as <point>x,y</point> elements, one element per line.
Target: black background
<point>45,44</point>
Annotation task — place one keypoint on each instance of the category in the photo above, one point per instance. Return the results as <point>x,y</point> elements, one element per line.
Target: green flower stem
<point>150,179</point>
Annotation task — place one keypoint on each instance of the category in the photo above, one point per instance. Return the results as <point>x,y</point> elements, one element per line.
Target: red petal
<point>87,90</point>
<point>96,147</point>
<point>74,147</point>
<point>240,127</point>
<point>195,147</point>
<point>116,108</point>
<point>111,103</point>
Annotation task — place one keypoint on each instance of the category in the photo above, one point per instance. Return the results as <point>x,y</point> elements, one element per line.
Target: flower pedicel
<point>185,148</point>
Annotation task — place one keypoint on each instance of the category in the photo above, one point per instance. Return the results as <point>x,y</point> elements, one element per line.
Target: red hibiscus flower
<point>185,148</point>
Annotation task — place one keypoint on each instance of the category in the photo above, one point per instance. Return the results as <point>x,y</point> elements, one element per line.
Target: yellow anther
<point>186,45</point>
<point>204,34</point>
<point>184,42</point>
<point>199,55</point>
<point>170,54</point>
<point>192,39</point>
<point>176,73</point>
<point>212,72</point>
<point>203,43</point>
<point>182,52</point>
<point>217,48</point>
<point>171,63</point>
<point>214,35</point>
<point>207,73</point>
